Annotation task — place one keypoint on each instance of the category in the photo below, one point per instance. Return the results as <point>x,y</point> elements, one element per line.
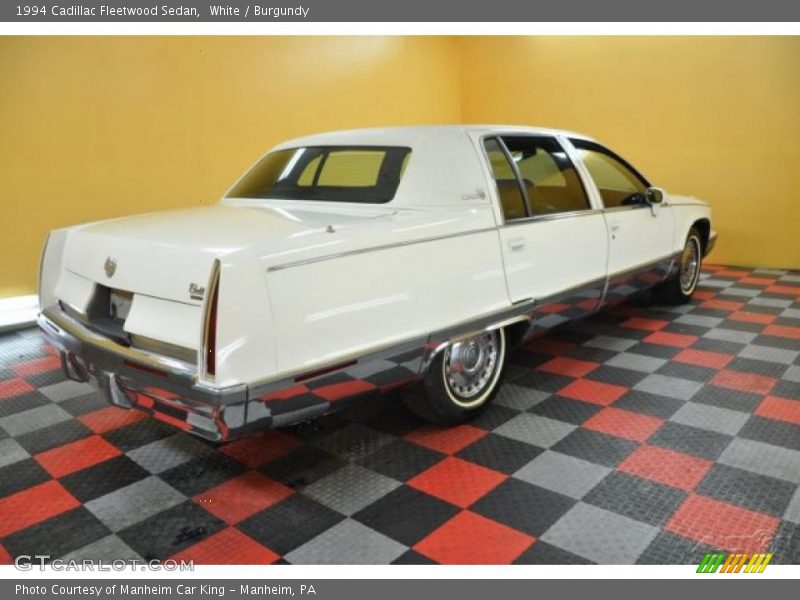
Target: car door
<point>553,239</point>
<point>640,235</point>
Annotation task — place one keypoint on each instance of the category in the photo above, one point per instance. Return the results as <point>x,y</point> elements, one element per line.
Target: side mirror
<point>654,195</point>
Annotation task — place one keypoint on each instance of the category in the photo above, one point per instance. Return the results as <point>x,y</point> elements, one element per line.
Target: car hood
<point>678,199</point>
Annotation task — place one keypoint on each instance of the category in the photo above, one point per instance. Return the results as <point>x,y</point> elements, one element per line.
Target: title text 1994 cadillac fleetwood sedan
<point>347,263</point>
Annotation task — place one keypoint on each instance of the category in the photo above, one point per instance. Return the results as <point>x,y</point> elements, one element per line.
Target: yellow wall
<point>718,118</point>
<point>97,127</point>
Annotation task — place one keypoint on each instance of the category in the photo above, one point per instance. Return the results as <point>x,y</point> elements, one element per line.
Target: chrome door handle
<point>516,245</point>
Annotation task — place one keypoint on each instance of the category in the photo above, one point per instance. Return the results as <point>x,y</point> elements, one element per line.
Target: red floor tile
<point>743,382</point>
<point>731,273</point>
<point>746,316</point>
<point>703,358</point>
<point>665,338</point>
<point>666,466</point>
<point>790,290</point>
<point>763,281</point>
<point>160,393</point>
<point>703,294</point>
<point>38,365</point>
<point>722,304</point>
<point>242,497</point>
<point>76,456</point>
<point>624,424</point>
<point>261,448</point>
<point>555,307</point>
<point>227,547</point>
<point>723,526</point>
<point>337,391</point>
<point>469,538</point>
<point>296,390</point>
<point>792,333</point>
<point>645,324</point>
<point>780,409</point>
<point>34,505</point>
<point>457,481</point>
<point>562,365</point>
<point>595,392</point>
<point>110,418</point>
<point>448,440</point>
<point>14,387</point>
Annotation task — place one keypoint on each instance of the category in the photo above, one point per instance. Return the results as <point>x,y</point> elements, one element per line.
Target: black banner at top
<point>44,11</point>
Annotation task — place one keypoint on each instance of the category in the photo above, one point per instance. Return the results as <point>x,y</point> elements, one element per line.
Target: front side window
<point>326,173</point>
<point>548,176</point>
<point>618,183</point>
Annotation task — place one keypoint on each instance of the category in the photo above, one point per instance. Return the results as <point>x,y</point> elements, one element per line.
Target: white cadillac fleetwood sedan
<point>355,262</point>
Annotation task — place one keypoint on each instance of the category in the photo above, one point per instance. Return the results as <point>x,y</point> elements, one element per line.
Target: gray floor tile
<point>637,362</point>
<point>762,458</point>
<point>611,343</point>
<point>721,420</point>
<point>562,473</point>
<point>350,489</point>
<point>600,535</point>
<point>134,503</point>
<point>518,397</point>
<point>348,542</point>
<point>769,354</point>
<point>536,430</point>
<point>11,452</point>
<point>64,390</point>
<point>671,387</point>
<point>730,335</point>
<point>107,550</point>
<point>793,510</point>
<point>699,320</point>
<point>34,419</point>
<point>169,452</point>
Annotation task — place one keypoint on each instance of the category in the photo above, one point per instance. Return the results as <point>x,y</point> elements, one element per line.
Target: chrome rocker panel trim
<point>169,389</point>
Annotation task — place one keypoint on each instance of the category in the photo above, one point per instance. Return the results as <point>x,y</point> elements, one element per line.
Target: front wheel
<point>678,289</point>
<point>462,379</point>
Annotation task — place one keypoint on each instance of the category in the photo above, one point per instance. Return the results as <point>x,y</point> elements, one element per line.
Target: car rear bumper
<point>165,388</point>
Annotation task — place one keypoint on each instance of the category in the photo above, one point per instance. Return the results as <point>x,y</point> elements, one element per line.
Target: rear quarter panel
<point>365,301</point>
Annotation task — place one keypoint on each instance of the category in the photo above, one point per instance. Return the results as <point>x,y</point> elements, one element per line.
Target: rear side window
<point>326,173</point>
<point>548,176</point>
<point>617,181</point>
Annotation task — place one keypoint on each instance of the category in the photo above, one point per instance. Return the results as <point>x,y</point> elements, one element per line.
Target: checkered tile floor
<point>647,434</point>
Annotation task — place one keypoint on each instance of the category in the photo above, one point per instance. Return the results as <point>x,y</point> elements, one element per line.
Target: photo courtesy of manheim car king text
<point>338,300</point>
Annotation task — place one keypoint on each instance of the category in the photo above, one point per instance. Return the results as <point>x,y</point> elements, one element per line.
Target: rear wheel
<point>462,380</point>
<point>678,289</point>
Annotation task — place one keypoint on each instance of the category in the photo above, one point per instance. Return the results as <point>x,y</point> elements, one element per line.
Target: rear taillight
<point>210,331</point>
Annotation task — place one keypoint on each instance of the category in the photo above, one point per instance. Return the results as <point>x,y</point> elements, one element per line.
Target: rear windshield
<point>333,173</point>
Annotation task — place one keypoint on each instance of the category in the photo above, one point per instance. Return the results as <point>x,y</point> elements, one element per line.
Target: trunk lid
<point>169,254</point>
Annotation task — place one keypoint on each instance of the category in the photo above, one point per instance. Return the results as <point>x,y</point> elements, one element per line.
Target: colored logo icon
<point>721,562</point>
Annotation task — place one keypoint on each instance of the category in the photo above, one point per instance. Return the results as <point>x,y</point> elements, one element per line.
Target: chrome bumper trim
<point>99,354</point>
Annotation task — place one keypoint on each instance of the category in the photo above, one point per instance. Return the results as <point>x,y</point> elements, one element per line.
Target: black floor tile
<point>406,515</point>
